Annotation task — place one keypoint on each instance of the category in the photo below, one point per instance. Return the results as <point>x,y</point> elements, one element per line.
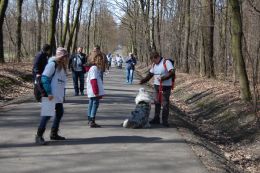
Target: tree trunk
<point>52,22</point>
<point>208,32</point>
<point>89,23</point>
<point>3,7</point>
<point>236,32</point>
<point>152,38</point>
<point>19,4</point>
<point>74,25</point>
<point>187,37</point>
<point>39,11</point>
<point>66,24</point>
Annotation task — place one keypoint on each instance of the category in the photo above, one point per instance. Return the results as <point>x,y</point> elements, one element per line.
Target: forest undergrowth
<point>213,110</point>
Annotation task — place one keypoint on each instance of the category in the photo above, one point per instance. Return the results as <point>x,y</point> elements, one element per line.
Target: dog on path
<point>139,117</point>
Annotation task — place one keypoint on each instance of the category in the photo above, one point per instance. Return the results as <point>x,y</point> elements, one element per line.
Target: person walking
<point>130,67</point>
<point>95,89</point>
<point>76,64</point>
<point>162,70</point>
<point>54,82</point>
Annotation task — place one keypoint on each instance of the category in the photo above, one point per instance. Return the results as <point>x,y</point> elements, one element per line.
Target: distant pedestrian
<point>130,67</point>
<point>95,89</point>
<point>162,70</point>
<point>76,64</point>
<point>54,81</point>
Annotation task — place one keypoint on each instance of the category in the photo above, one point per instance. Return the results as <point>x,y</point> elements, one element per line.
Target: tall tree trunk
<point>63,40</point>
<point>19,4</point>
<point>159,19</point>
<point>52,28</point>
<point>186,37</point>
<point>74,25</point>
<point>152,38</point>
<point>236,31</point>
<point>208,33</point>
<point>89,23</point>
<point>3,7</point>
<point>39,10</point>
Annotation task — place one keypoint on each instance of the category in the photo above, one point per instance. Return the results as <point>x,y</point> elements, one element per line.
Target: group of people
<point>52,73</point>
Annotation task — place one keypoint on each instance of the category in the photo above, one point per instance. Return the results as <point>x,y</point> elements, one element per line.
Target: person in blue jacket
<point>130,67</point>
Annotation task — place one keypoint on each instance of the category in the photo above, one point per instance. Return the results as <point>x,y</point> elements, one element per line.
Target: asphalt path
<point>110,149</point>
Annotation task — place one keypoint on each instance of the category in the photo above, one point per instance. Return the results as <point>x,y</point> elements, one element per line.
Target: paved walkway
<point>110,149</point>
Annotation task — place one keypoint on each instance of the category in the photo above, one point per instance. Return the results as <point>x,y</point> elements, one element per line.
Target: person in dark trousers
<point>162,70</point>
<point>130,67</point>
<point>54,81</point>
<point>76,64</point>
<point>41,60</point>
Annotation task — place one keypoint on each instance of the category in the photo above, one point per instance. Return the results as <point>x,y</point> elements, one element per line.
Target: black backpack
<point>38,89</point>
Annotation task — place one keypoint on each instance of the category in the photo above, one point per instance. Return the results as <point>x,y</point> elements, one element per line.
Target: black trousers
<point>165,103</point>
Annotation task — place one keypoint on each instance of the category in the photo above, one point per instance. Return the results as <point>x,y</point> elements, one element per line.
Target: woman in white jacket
<point>54,82</point>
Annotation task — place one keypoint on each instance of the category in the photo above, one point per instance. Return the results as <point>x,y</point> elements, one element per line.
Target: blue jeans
<point>56,123</point>
<point>78,76</point>
<point>92,107</point>
<point>129,75</point>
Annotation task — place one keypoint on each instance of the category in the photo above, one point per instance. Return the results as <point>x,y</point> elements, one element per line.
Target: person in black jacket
<point>41,60</point>
<point>76,64</point>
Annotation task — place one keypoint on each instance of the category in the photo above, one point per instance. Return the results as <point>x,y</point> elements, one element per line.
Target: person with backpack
<point>40,61</point>
<point>54,82</point>
<point>95,88</point>
<point>130,67</point>
<point>76,64</point>
<point>163,72</point>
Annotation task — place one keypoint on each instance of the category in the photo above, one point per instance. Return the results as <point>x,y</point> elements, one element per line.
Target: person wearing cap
<point>54,82</point>
<point>130,67</point>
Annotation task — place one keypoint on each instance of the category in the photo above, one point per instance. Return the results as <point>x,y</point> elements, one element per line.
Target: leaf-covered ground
<point>213,109</point>
<point>15,80</point>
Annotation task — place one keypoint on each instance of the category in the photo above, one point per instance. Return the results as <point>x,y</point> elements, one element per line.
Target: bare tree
<point>19,4</point>
<point>3,7</point>
<point>236,31</point>
<point>66,24</point>
<point>39,11</point>
<point>52,20</point>
<point>187,36</point>
<point>76,20</point>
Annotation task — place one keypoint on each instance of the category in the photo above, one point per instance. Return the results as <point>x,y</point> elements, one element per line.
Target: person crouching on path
<point>95,89</point>
<point>54,81</point>
<point>163,71</point>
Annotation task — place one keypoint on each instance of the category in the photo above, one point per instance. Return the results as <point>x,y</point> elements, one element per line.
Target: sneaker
<point>82,93</point>
<point>154,121</point>
<point>39,140</point>
<point>76,94</point>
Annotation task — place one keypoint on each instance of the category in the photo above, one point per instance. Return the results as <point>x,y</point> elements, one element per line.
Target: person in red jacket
<point>95,89</point>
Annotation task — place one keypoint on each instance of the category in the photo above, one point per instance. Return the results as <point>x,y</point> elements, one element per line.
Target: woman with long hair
<point>95,89</point>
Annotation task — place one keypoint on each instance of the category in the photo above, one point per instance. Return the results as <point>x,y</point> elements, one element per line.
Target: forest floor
<point>208,109</point>
<point>212,110</point>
